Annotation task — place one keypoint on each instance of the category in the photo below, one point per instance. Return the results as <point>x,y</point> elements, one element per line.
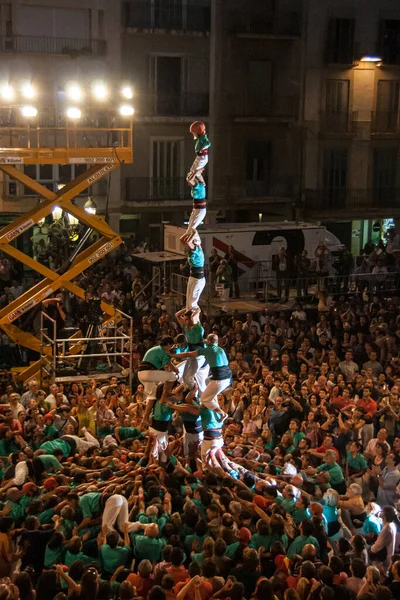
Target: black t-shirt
<point>36,542</point>
<point>248,578</point>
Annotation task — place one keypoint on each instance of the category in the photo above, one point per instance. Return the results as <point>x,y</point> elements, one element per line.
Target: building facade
<point>302,124</point>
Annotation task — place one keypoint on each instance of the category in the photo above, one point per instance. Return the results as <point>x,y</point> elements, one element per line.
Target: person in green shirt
<point>305,537</point>
<point>55,550</point>
<point>50,432</point>
<point>148,545</point>
<point>330,465</point>
<point>288,500</point>
<point>356,463</point>
<point>301,511</point>
<point>112,555</point>
<point>17,512</point>
<point>262,537</point>
<point>74,553</point>
<point>295,433</point>
<point>196,369</point>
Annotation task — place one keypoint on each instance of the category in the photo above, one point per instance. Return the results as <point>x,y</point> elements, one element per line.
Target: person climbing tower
<point>202,145</point>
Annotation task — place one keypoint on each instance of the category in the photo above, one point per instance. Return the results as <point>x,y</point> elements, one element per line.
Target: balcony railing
<point>385,121</point>
<point>263,190</point>
<point>167,15</point>
<point>338,122</point>
<point>184,105</point>
<point>264,23</point>
<point>259,106</point>
<point>142,189</point>
<point>52,45</point>
<point>353,199</point>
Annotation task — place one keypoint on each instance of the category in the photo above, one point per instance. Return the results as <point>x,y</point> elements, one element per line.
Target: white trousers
<point>191,443</point>
<point>209,447</point>
<point>197,216</point>
<point>160,443</point>
<point>151,379</point>
<point>194,290</point>
<point>199,163</point>
<point>191,371</point>
<point>209,398</point>
<point>88,442</point>
<point>116,511</point>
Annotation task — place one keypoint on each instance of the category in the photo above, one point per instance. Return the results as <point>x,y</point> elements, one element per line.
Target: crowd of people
<point>291,495</point>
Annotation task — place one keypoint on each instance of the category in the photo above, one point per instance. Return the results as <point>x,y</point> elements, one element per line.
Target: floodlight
<point>371,58</point>
<point>90,207</point>
<point>126,110</point>
<point>72,220</point>
<point>28,90</point>
<point>41,222</point>
<point>74,92</point>
<point>99,91</point>
<point>7,92</point>
<point>57,213</point>
<point>29,111</point>
<point>74,113</point>
<point>127,92</point>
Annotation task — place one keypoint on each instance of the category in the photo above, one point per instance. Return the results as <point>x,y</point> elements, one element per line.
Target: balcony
<point>30,44</point>
<point>277,24</point>
<point>184,105</point>
<point>154,190</point>
<point>246,106</point>
<point>352,200</point>
<point>339,122</point>
<point>167,16</point>
<point>385,122</point>
<point>262,191</point>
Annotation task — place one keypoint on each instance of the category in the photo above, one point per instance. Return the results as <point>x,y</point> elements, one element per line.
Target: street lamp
<point>57,213</point>
<point>90,207</point>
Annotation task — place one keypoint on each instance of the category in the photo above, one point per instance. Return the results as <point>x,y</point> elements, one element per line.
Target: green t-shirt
<point>157,357</point>
<point>161,521</point>
<point>230,550</point>
<point>54,556</point>
<point>258,541</point>
<point>372,524</point>
<point>161,412</point>
<point>17,512</point>
<point>300,514</point>
<point>334,471</point>
<point>189,539</point>
<point>52,445</point>
<point>71,558</point>
<point>214,355</point>
<point>209,419</point>
<point>50,462</point>
<point>296,547</point>
<point>50,432</point>
<point>195,334</point>
<point>287,503</point>
<point>297,437</point>
<point>126,433</point>
<point>196,257</point>
<point>46,516</point>
<point>357,463</point>
<point>113,558</point>
<point>147,547</point>
<point>90,504</point>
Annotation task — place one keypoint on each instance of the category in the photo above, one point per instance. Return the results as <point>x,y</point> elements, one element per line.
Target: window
<point>167,175</point>
<point>167,15</point>
<point>335,177</point>
<point>384,176</point>
<point>258,168</point>
<point>387,107</point>
<point>336,115</point>
<point>390,41</point>
<point>341,41</point>
<point>166,77</point>
<point>259,85</point>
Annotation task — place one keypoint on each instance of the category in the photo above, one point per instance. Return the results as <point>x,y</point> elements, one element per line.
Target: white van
<point>256,243</point>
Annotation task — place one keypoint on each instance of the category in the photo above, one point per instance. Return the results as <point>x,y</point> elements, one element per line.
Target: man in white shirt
<point>15,404</point>
<point>250,322</point>
<point>370,450</point>
<point>31,394</point>
<point>51,398</point>
<point>348,367</point>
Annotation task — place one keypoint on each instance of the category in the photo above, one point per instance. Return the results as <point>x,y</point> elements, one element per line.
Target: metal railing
<point>385,121</point>
<point>265,23</point>
<point>164,188</point>
<point>172,105</point>
<point>167,15</point>
<point>281,188</point>
<point>337,122</point>
<point>255,105</point>
<point>352,199</point>
<point>270,287</point>
<point>31,44</point>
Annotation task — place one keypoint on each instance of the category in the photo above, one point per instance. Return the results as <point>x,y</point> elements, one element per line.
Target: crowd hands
<point>299,502</point>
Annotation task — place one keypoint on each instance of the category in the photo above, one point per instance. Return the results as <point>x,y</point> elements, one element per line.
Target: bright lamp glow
<point>90,207</point>
<point>72,220</point>
<point>373,59</point>
<point>28,91</point>
<point>126,110</point>
<point>99,91</point>
<point>74,92</point>
<point>41,222</point>
<point>29,111</point>
<point>7,92</point>
<point>127,92</point>
<point>57,213</point>
<point>74,113</point>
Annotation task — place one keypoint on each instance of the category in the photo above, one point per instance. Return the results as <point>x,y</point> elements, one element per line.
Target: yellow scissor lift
<point>32,144</point>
